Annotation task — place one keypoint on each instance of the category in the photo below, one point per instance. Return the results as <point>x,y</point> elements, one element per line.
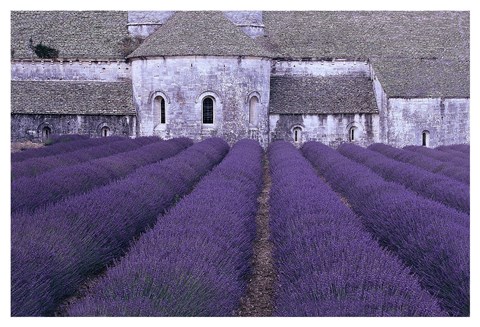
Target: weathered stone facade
<point>184,82</point>
<point>31,127</point>
<point>394,77</point>
<point>445,120</point>
<point>251,22</point>
<point>143,23</point>
<point>329,129</point>
<point>70,70</point>
<point>55,105</point>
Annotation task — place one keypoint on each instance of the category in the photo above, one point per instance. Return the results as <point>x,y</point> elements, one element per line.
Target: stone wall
<point>446,120</point>
<point>29,127</point>
<point>328,129</point>
<point>382,105</point>
<point>143,23</point>
<point>321,68</point>
<point>85,70</point>
<point>185,81</point>
<point>251,22</point>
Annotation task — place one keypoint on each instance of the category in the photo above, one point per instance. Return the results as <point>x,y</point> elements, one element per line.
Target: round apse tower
<point>199,75</point>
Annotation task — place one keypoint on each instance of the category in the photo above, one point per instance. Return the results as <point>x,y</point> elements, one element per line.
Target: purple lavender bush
<point>431,239</point>
<point>55,138</point>
<point>465,148</point>
<point>62,148</point>
<point>196,259</point>
<point>439,155</point>
<point>36,166</point>
<point>58,248</point>
<point>454,152</point>
<point>453,171</point>
<point>28,194</point>
<point>327,264</point>
<point>433,186</point>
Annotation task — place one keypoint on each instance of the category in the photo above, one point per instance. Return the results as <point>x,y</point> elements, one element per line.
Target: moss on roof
<point>76,34</point>
<point>415,53</point>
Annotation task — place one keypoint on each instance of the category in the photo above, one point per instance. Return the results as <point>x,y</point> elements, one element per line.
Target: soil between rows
<point>258,301</point>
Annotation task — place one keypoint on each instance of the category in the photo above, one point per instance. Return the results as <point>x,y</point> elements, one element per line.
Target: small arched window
<point>159,111</point>
<point>253,112</point>
<point>297,134</point>
<point>105,131</point>
<point>162,112</point>
<point>425,138</point>
<point>352,133</point>
<point>207,111</point>
<point>46,132</point>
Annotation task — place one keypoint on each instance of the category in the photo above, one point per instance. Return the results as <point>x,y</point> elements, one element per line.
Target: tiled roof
<point>199,33</point>
<point>369,34</point>
<point>66,97</point>
<point>321,95</point>
<point>415,53</point>
<point>76,34</point>
<point>416,78</point>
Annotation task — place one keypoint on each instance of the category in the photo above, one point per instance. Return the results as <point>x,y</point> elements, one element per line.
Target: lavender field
<point>148,227</point>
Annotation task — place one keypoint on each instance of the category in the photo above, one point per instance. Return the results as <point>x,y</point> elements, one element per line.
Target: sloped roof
<point>76,34</point>
<point>415,53</point>
<point>66,97</point>
<point>369,34</point>
<point>321,95</point>
<point>417,78</point>
<point>199,33</point>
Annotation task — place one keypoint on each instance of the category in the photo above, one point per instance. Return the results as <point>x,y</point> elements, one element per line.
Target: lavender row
<point>438,155</point>
<point>62,148</point>
<point>57,249</point>
<point>465,148</point>
<point>28,194</point>
<point>196,259</point>
<point>454,152</point>
<point>327,264</point>
<point>433,186</point>
<point>37,166</point>
<point>431,239</point>
<point>55,138</point>
<point>458,173</point>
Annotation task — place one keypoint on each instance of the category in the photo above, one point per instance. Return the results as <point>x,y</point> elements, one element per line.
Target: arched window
<point>105,131</point>
<point>352,133</point>
<point>253,112</point>
<point>207,111</point>
<point>425,138</point>
<point>159,111</point>
<point>297,134</point>
<point>46,132</point>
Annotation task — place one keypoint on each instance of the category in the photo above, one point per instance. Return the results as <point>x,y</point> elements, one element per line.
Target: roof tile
<point>321,95</point>
<point>207,33</point>
<point>67,97</point>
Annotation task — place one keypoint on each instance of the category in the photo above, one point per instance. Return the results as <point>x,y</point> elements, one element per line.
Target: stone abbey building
<point>393,77</point>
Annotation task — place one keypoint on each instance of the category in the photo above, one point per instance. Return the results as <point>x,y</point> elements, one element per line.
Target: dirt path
<point>258,301</point>
<point>21,146</point>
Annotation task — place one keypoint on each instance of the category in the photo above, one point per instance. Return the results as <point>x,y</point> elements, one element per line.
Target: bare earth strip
<point>21,146</point>
<point>258,302</point>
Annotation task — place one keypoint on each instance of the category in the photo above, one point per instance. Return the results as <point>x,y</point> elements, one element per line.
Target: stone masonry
<point>334,77</point>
